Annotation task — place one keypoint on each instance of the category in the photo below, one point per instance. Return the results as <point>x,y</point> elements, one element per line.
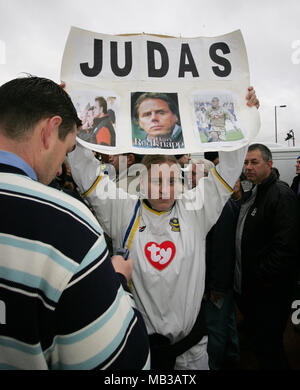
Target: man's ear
<point>50,127</point>
<point>270,163</point>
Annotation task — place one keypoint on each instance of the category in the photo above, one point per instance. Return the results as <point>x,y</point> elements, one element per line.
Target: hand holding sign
<point>151,94</point>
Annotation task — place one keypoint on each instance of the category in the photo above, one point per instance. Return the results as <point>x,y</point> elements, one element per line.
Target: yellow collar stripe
<point>88,192</point>
<point>222,180</point>
<point>132,233</point>
<point>153,211</point>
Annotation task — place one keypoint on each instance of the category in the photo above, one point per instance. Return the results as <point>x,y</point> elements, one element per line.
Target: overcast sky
<point>33,34</point>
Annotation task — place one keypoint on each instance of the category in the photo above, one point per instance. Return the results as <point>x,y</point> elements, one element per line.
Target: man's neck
<point>265,179</point>
<point>13,161</point>
<point>101,116</point>
<point>22,149</point>
<point>146,201</point>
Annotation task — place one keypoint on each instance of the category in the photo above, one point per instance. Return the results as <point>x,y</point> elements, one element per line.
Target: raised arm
<point>110,204</point>
<point>85,167</point>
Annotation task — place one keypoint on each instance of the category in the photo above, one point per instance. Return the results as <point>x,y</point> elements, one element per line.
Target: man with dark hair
<point>66,306</point>
<point>104,132</point>
<point>19,119</point>
<point>25,104</point>
<point>183,159</point>
<point>157,115</point>
<point>212,156</point>
<point>296,181</point>
<point>266,258</point>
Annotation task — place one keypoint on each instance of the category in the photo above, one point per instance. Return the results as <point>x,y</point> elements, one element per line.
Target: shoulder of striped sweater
<point>50,193</point>
<point>54,198</point>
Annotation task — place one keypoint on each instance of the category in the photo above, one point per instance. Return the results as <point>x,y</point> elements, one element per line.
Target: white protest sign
<point>151,94</point>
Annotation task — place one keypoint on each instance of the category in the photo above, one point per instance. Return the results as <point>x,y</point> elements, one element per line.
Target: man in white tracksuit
<point>168,246</point>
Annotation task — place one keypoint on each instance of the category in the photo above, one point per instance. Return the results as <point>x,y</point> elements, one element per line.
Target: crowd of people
<point>203,238</point>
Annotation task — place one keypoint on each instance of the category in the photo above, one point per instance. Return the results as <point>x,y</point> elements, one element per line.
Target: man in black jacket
<point>266,258</point>
<point>296,188</point>
<point>296,181</point>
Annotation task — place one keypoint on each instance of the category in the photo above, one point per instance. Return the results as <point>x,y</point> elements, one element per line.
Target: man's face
<point>113,159</point>
<point>184,159</point>
<point>298,166</point>
<point>90,117</point>
<point>98,111</point>
<point>255,168</point>
<point>197,173</point>
<point>156,118</point>
<point>162,185</point>
<point>118,160</point>
<point>215,103</point>
<point>52,164</point>
<point>84,116</point>
<point>216,161</point>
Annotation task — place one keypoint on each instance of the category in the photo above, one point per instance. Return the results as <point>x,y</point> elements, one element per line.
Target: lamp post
<point>283,105</point>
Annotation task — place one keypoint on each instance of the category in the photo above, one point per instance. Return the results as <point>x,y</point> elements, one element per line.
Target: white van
<point>284,159</point>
